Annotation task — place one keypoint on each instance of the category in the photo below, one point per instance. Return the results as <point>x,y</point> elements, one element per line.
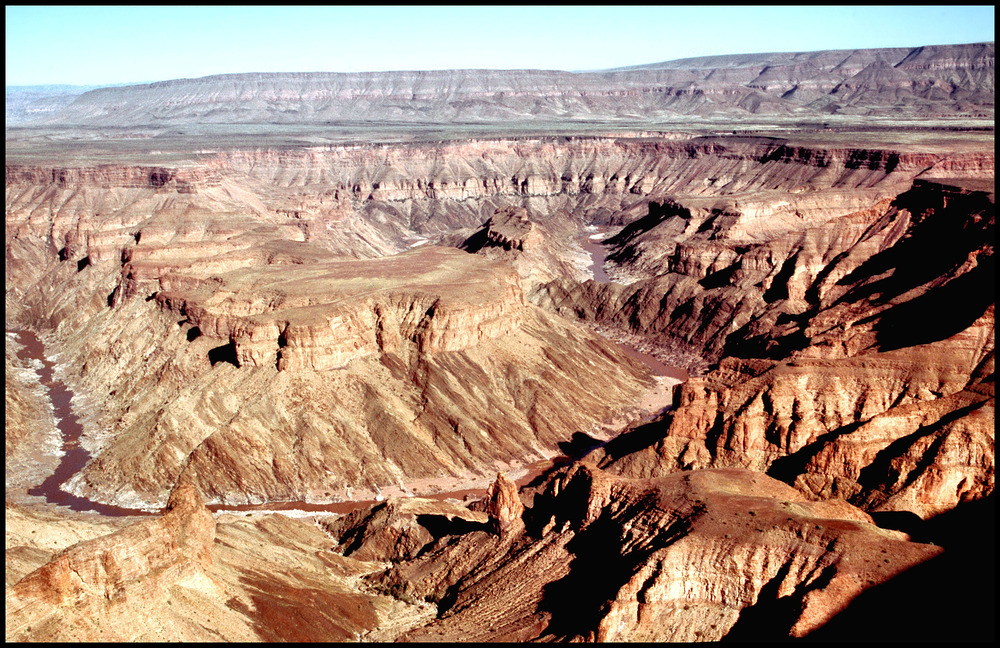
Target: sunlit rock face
<point>324,315</point>
<point>139,562</point>
<point>694,556</point>
<point>867,376</point>
<point>184,576</point>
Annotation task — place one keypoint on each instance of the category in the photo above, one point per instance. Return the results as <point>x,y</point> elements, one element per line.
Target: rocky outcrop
<point>140,561</point>
<point>111,566</point>
<point>539,252</point>
<point>399,528</point>
<point>509,230</point>
<point>698,286</point>
<point>253,434</point>
<point>503,505</point>
<point>260,570</point>
<point>703,555</point>
<point>838,392</point>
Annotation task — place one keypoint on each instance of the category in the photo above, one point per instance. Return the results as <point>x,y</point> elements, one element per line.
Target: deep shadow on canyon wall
<point>949,598</point>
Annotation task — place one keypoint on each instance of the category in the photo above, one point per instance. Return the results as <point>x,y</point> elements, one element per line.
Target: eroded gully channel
<point>76,457</point>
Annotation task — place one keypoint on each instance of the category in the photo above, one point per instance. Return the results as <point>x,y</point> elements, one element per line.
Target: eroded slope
<point>864,368</point>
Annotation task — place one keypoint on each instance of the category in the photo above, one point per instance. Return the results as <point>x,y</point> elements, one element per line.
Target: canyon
<point>437,356</point>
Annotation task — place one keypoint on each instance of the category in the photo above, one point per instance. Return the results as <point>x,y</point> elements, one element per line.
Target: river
<point>74,457</point>
<point>598,255</point>
<point>597,251</point>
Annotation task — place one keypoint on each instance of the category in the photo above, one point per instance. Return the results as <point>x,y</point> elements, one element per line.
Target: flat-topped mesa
<point>325,315</point>
<point>511,229</point>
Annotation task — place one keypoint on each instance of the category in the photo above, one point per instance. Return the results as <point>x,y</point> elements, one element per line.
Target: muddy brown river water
<point>598,253</point>
<point>74,457</point>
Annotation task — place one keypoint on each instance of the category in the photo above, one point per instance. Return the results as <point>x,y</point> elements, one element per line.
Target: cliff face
<point>718,278</point>
<point>539,250</point>
<point>324,315</point>
<point>370,201</point>
<point>703,555</point>
<point>861,368</point>
<point>405,408</point>
<point>258,326</point>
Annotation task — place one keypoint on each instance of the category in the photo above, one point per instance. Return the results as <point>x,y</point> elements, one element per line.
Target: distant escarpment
<point>855,358</point>
<point>923,81</point>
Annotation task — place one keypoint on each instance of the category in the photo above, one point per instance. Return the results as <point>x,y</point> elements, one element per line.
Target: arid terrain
<point>693,351</point>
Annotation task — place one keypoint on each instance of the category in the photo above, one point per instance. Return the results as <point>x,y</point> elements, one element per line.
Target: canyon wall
<point>221,277</point>
<point>271,326</point>
<point>695,556</point>
<point>858,362</point>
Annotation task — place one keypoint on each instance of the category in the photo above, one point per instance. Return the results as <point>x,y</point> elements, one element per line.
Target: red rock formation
<point>252,325</point>
<point>539,252</point>
<point>854,400</point>
<point>262,570</point>
<point>503,505</point>
<point>691,556</point>
<point>399,528</point>
<point>136,563</point>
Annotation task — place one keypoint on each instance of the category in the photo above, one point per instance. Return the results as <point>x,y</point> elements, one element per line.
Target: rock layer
<point>931,80</point>
<point>825,381</point>
<point>687,557</point>
<point>324,315</point>
<point>140,561</point>
<point>158,580</point>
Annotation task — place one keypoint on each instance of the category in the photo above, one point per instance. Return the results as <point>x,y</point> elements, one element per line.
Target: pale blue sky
<point>98,45</point>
